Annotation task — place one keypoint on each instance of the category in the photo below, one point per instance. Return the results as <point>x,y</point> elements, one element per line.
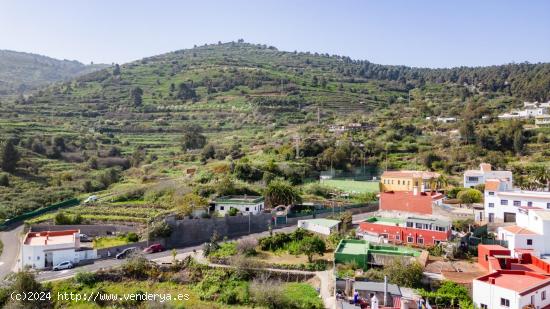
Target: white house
<point>531,232</point>
<point>321,226</point>
<point>542,120</point>
<point>524,113</point>
<point>243,203</point>
<point>502,203</point>
<point>536,104</point>
<point>473,178</point>
<point>46,249</point>
<point>511,289</point>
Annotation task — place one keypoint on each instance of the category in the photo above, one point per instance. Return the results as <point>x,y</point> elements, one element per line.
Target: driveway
<point>12,242</point>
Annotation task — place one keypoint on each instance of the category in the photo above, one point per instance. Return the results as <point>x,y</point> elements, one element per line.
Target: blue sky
<point>416,33</point>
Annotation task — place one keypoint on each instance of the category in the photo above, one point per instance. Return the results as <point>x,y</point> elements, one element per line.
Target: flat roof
<point>50,238</point>
<point>516,280</point>
<point>416,174</point>
<point>373,286</point>
<point>353,247</point>
<point>239,199</point>
<point>358,247</point>
<point>323,222</point>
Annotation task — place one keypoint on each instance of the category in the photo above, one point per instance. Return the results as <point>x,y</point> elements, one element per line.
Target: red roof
<point>520,281</point>
<point>519,230</point>
<point>492,184</point>
<point>406,201</point>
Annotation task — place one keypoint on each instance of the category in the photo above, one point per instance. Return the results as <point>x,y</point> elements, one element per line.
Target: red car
<point>153,248</point>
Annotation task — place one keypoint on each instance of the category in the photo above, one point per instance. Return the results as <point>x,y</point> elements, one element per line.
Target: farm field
<point>352,186</point>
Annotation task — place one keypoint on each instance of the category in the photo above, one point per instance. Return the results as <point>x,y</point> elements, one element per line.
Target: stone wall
<point>191,232</point>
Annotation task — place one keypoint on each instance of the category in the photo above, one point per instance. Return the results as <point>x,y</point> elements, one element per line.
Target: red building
<point>424,232</point>
<point>496,257</point>
<point>409,201</point>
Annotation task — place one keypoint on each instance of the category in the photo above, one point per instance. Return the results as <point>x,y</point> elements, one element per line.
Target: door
<point>48,261</point>
<point>491,217</point>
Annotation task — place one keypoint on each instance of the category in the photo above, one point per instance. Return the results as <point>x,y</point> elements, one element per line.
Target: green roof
<point>324,222</point>
<point>358,247</point>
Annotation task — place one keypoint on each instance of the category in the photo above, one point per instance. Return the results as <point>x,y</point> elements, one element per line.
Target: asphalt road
<point>109,263</point>
<point>12,243</point>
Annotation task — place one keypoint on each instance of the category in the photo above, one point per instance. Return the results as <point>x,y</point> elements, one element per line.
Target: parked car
<point>91,199</point>
<point>154,248</point>
<point>63,265</point>
<point>85,238</point>
<point>126,253</point>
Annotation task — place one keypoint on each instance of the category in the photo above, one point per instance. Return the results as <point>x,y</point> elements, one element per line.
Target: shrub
<point>233,211</point>
<point>247,246</point>
<point>132,237</point>
<point>160,230</point>
<point>453,192</point>
<point>4,180</point>
<point>86,278</point>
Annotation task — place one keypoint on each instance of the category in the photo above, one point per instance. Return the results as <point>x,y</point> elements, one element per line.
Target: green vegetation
<point>238,118</point>
<point>111,241</point>
<point>449,294</point>
<point>21,72</point>
<point>352,186</point>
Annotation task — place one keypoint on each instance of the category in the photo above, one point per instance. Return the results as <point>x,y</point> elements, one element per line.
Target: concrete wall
<point>191,232</point>
<point>90,230</point>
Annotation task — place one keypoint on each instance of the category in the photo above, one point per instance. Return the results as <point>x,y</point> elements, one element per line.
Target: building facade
<point>320,226</point>
<point>473,178</point>
<point>423,232</point>
<point>408,180</point>
<point>514,289</point>
<point>244,204</point>
<point>41,250</point>
<point>502,203</point>
<point>531,232</point>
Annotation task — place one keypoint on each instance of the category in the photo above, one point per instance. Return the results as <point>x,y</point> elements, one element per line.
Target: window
<point>543,295</point>
<point>505,302</point>
<point>529,204</point>
<point>409,224</point>
<point>547,205</point>
<point>397,237</point>
<point>440,228</point>
<point>491,205</point>
<point>473,179</point>
<point>420,240</point>
<point>517,203</point>
<point>483,306</point>
<point>503,202</point>
<point>529,242</point>
<point>410,239</point>
<point>221,207</point>
<point>491,193</point>
<point>418,225</point>
<point>399,182</point>
<point>247,209</point>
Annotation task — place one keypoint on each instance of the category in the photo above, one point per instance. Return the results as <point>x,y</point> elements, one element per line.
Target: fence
<point>40,211</point>
<point>335,210</point>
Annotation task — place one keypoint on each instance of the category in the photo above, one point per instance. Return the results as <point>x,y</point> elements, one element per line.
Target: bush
<point>61,218</point>
<point>453,192</point>
<point>160,230</point>
<point>132,237</point>
<point>247,246</point>
<point>86,278</point>
<point>4,180</point>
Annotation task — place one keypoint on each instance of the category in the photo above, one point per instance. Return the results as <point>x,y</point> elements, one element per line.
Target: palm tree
<point>541,174</point>
<point>443,182</point>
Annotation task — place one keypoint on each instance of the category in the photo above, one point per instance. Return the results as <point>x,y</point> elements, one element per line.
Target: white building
<point>536,104</point>
<point>511,289</point>
<point>243,203</point>
<point>524,113</point>
<point>502,203</point>
<point>321,226</point>
<point>529,233</point>
<point>46,249</point>
<point>542,120</point>
<point>473,178</point>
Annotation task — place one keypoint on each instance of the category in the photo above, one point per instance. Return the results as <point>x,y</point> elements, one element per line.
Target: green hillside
<point>21,72</point>
<point>244,114</point>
